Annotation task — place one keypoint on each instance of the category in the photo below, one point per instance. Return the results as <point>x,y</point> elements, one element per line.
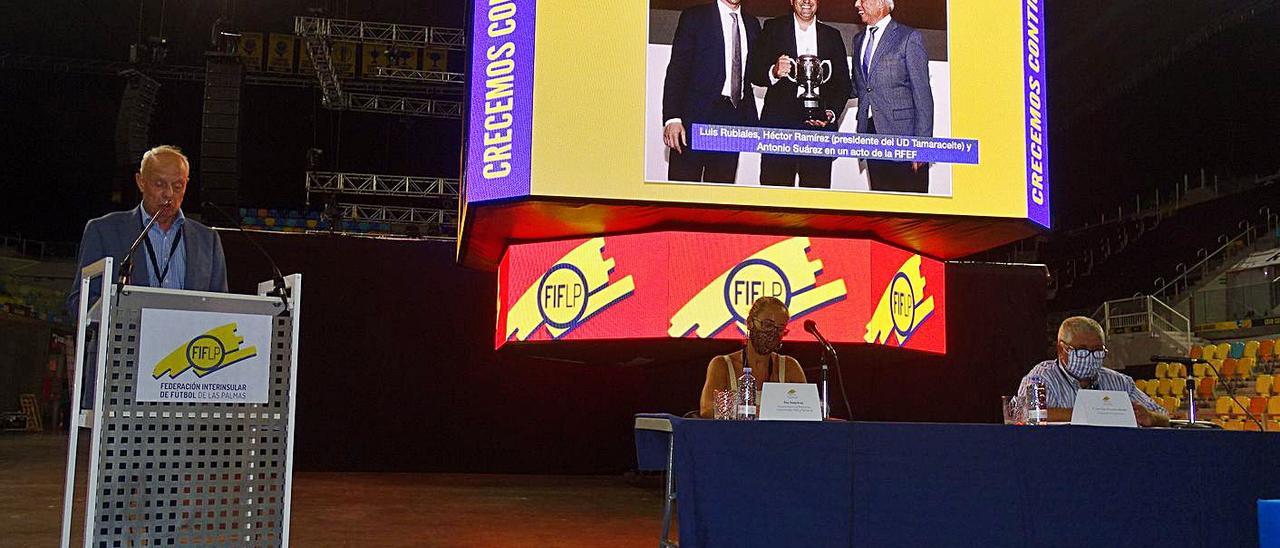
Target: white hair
<point>150,157</point>
<point>889,3</point>
<point>1079,324</point>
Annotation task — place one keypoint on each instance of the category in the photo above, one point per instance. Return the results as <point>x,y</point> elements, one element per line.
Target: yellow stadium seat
<point>1172,404</point>
<point>1198,370</point>
<point>1217,368</point>
<point>1162,370</point>
<point>1182,371</point>
<point>1223,405</point>
<point>1177,387</point>
<point>1209,352</point>
<point>1263,385</point>
<point>1242,403</point>
<point>1196,352</point>
<point>1251,349</point>
<point>1140,385</point>
<point>1224,351</point>
<point>1163,388</point>
<point>1273,405</point>
<point>1152,385</point>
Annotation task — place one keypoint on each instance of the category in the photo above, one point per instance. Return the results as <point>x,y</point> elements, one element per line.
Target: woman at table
<point>766,325</point>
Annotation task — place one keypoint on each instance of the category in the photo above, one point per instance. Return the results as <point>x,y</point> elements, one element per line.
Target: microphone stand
<point>126,265</point>
<point>826,396</point>
<point>1191,383</point>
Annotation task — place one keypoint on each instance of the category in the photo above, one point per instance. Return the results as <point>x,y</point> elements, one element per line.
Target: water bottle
<point>746,395</point>
<point>1037,394</point>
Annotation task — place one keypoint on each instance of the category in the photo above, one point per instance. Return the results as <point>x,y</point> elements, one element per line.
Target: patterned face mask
<point>766,341</point>
<point>1083,367</point>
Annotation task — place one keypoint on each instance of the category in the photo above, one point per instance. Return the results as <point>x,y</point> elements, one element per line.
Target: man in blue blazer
<point>178,253</point>
<point>891,82</point>
<point>707,83</point>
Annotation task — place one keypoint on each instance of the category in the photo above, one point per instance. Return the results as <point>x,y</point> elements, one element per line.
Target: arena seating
<point>1247,367</point>
<point>302,221</point>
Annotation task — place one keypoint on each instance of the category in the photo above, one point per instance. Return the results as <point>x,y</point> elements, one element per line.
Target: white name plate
<point>788,401</point>
<point>1103,408</point>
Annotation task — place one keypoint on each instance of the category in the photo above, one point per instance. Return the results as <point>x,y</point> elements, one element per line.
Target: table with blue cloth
<point>915,484</point>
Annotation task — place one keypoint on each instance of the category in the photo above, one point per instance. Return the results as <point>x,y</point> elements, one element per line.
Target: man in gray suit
<point>178,253</point>
<point>891,83</point>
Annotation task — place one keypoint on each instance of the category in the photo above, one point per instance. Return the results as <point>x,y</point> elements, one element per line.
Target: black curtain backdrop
<point>397,370</point>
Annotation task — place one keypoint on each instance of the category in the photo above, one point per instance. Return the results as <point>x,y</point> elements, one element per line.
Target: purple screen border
<point>1036,107</point>
<point>507,175</point>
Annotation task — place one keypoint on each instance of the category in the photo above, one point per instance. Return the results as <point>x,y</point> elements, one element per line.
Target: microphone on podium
<point>126,264</point>
<point>277,277</point>
<point>812,328</point>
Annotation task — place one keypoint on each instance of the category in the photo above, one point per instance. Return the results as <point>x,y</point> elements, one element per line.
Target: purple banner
<point>1036,113</point>
<point>804,142</point>
<point>500,124</point>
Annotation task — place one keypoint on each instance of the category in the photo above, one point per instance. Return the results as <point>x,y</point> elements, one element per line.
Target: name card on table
<point>789,401</point>
<point>1103,408</point>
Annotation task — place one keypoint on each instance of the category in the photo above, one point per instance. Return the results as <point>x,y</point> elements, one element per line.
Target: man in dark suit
<point>891,82</point>
<point>706,83</point>
<point>782,40</point>
<point>178,253</point>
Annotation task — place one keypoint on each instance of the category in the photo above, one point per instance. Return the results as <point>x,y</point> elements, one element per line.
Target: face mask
<point>765,342</point>
<point>1083,368</point>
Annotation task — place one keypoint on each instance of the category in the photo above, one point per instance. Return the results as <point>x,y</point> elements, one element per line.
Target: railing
<point>1147,314</point>
<point>1229,304</point>
<point>1229,249</point>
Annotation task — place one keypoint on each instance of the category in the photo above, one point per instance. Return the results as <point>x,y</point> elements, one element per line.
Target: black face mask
<point>765,342</point>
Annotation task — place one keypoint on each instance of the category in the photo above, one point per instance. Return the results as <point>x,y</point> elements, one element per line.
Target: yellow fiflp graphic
<point>782,270</point>
<point>902,308</point>
<point>215,349</point>
<point>575,288</point>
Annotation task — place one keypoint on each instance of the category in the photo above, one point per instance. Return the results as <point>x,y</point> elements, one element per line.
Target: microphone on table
<point>126,265</point>
<point>812,328</point>
<point>1191,403</point>
<point>280,289</point>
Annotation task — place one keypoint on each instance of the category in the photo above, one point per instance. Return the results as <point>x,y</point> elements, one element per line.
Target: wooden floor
<point>379,509</point>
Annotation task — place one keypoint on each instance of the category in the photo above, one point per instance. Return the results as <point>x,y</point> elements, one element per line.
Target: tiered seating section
<point>301,221</point>
<point>1248,367</point>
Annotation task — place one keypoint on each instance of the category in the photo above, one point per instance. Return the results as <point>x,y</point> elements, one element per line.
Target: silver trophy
<point>809,72</point>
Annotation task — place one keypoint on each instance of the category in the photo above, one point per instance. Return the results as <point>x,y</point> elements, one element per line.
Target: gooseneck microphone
<point>280,289</point>
<point>812,327</point>
<point>126,265</point>
<point>1231,391</point>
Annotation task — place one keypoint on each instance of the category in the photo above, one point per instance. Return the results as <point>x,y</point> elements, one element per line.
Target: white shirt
<point>726,28</point>
<point>870,45</point>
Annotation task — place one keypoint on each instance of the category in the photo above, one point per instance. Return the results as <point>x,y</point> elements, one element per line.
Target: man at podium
<point>178,253</point>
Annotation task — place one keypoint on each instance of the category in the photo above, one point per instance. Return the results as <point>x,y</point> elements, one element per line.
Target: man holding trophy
<point>803,64</point>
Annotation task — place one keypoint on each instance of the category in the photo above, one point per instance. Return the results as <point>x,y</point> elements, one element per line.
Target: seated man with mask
<point>1079,366</point>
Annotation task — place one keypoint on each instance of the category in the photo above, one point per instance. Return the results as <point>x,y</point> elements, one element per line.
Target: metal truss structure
<point>317,32</point>
<point>440,219</point>
<point>193,73</point>
<point>367,184</point>
<point>387,33</point>
<point>435,76</point>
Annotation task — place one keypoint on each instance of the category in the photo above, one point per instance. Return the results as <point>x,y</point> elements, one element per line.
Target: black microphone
<point>277,276</point>
<point>126,265</point>
<point>1231,391</point>
<point>1177,359</point>
<point>812,327</point>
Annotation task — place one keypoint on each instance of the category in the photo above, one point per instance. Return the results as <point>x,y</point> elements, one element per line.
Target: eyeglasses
<point>1085,352</point>
<point>768,325</point>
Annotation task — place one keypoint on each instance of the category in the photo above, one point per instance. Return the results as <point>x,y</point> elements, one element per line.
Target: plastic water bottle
<point>746,395</point>
<point>1037,394</point>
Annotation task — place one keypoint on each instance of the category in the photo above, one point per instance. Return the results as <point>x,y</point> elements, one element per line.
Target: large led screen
<point>702,285</point>
<point>935,107</point>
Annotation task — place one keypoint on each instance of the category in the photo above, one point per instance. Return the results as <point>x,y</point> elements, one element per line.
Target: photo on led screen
<point>823,102</point>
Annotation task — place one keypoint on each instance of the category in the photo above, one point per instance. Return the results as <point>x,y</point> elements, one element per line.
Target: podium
<point>192,414</point>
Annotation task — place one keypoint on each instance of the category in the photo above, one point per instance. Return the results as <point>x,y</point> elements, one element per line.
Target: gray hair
<point>1079,324</point>
<point>889,3</point>
<point>150,157</point>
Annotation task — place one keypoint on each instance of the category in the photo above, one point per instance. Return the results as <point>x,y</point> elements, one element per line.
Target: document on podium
<point>788,401</point>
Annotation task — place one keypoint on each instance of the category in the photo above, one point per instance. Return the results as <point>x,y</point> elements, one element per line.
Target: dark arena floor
<point>333,509</point>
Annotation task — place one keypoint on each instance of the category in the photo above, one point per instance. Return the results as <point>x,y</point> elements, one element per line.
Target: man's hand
<point>673,136</point>
<point>782,67</point>
<point>1145,418</point>
<point>831,118</point>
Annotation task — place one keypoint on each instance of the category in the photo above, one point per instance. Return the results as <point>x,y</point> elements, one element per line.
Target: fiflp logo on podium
<point>203,357</point>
